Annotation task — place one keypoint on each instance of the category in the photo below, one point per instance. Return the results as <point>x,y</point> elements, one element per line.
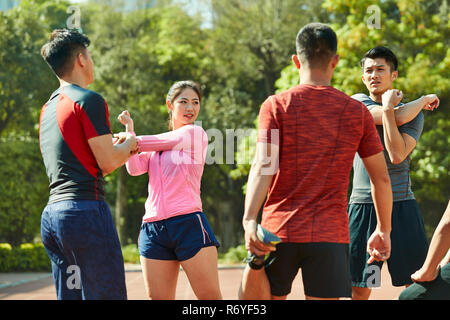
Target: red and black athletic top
<point>70,118</point>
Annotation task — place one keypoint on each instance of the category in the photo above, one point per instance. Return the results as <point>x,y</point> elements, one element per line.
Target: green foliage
<point>235,255</point>
<point>22,70</point>
<point>245,154</point>
<point>24,193</point>
<point>131,254</point>
<point>5,257</point>
<point>26,257</point>
<point>433,162</point>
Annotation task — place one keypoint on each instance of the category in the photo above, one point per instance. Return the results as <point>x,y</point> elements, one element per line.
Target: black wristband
<point>255,262</point>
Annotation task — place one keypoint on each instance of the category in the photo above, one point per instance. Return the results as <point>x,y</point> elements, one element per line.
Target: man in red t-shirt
<point>308,137</point>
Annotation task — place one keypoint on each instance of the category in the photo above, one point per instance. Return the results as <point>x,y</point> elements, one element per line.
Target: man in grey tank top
<point>399,126</point>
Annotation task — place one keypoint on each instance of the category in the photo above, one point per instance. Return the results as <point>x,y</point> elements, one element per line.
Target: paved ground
<point>39,286</point>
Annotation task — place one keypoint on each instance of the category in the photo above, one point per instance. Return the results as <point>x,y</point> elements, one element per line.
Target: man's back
<point>71,117</point>
<point>320,131</point>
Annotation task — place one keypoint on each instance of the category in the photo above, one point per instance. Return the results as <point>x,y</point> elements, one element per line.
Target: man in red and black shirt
<point>77,148</point>
<point>308,137</point>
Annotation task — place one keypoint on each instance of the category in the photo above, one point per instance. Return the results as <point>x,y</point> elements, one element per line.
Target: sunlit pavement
<point>39,286</point>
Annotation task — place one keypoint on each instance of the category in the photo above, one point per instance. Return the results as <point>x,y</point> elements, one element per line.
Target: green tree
<point>22,70</point>
<point>23,191</point>
<point>25,84</point>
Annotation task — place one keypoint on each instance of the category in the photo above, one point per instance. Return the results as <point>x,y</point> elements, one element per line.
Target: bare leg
<point>361,293</point>
<point>203,275</point>
<point>160,278</point>
<point>254,285</point>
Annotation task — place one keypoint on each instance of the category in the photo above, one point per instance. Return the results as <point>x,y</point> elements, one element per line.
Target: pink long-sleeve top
<point>174,162</point>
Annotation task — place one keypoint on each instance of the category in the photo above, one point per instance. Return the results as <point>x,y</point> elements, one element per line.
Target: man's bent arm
<point>399,145</point>
<point>407,112</point>
<point>111,156</point>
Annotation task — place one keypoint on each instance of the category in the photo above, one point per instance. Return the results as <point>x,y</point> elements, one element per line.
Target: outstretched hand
<point>431,102</point>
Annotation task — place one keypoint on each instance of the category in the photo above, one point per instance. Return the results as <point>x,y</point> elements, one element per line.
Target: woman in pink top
<point>174,230</point>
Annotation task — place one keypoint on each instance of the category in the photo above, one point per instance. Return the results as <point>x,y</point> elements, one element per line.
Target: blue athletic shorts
<point>177,238</point>
<point>82,243</point>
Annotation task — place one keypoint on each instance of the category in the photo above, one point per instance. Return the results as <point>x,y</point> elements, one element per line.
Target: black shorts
<point>409,244</point>
<point>325,269</point>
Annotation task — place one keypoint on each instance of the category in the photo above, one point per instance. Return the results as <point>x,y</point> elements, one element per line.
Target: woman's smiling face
<point>184,108</point>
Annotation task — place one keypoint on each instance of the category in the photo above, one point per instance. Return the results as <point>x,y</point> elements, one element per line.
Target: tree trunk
<point>121,202</point>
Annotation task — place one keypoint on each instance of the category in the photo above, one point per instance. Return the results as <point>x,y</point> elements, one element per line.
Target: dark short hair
<point>62,49</point>
<point>316,44</point>
<point>382,52</point>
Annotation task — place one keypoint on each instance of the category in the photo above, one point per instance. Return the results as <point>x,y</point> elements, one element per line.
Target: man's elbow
<point>382,180</point>
<point>107,170</point>
<point>400,120</point>
<point>108,167</point>
<point>385,180</point>
<point>446,227</point>
<point>396,158</point>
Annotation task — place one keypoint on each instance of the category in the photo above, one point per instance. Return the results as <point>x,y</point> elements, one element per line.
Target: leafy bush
<point>33,257</point>
<point>5,257</point>
<point>26,257</point>
<point>234,255</point>
<point>130,253</point>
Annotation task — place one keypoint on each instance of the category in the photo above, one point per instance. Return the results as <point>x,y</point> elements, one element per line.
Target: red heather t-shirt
<point>320,130</point>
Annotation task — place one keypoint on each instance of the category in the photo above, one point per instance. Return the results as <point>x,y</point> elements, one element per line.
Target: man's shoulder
<point>360,96</point>
<point>364,98</point>
<point>300,90</point>
<point>84,96</point>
